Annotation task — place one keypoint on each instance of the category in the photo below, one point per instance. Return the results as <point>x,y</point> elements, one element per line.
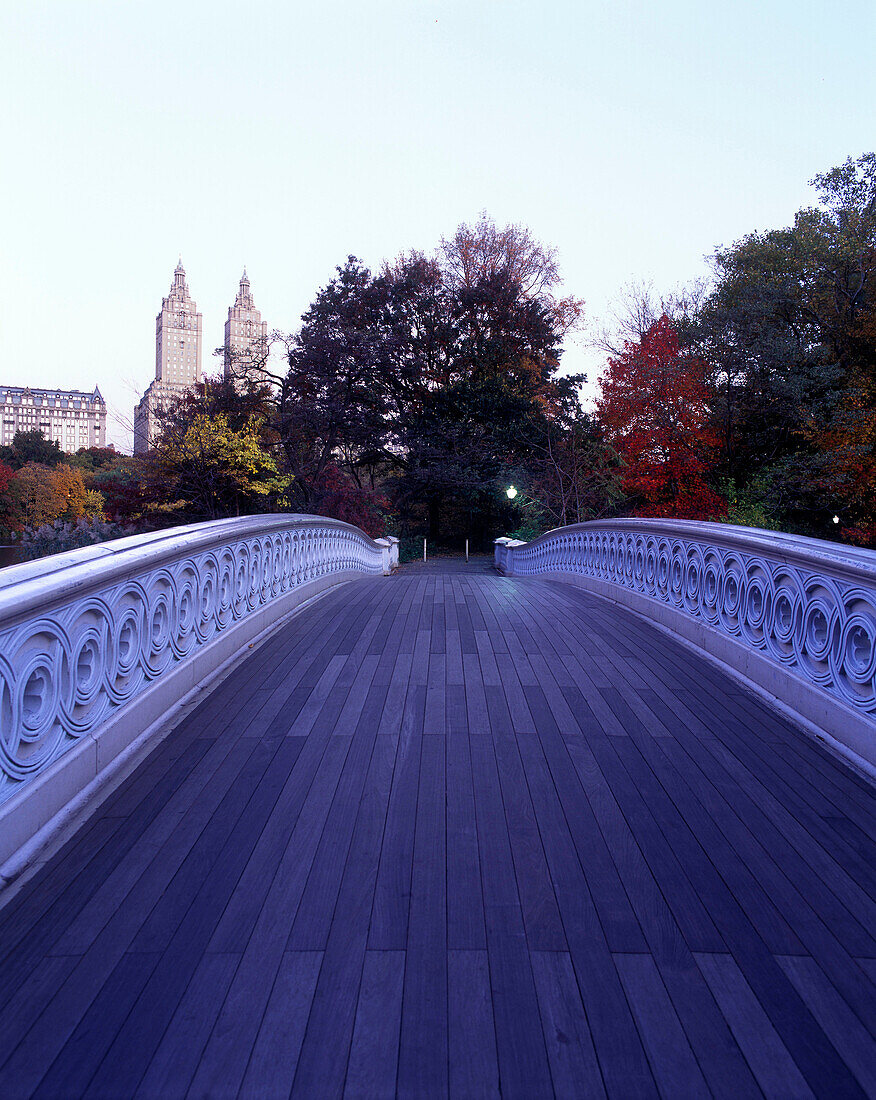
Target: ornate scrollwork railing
<point>83,634</point>
<point>807,606</point>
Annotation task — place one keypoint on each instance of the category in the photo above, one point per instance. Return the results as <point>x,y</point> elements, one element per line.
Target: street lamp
<point>511,492</point>
<point>836,519</point>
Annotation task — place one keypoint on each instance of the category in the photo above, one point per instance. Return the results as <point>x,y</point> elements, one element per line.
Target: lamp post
<point>511,492</point>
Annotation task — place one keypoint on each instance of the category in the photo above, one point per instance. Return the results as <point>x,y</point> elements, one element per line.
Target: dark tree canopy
<point>428,377</point>
<point>31,446</point>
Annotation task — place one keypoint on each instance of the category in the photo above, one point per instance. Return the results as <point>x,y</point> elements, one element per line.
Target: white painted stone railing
<point>97,643</point>
<point>797,616</point>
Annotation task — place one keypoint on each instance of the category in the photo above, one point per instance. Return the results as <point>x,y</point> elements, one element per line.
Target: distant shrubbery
<point>56,537</point>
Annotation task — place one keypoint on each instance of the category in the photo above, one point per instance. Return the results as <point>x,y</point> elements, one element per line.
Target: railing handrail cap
<point>854,561</point>
<point>74,573</point>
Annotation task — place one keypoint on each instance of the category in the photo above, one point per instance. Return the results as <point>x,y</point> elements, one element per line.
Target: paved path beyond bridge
<point>450,833</point>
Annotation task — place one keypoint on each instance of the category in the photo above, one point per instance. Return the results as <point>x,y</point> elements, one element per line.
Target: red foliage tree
<point>654,408</point>
<point>6,475</point>
<point>340,498</point>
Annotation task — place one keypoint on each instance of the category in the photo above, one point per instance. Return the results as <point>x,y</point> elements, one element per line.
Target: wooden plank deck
<point>457,834</point>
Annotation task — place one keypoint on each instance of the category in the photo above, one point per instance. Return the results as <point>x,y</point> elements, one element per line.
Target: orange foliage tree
<point>654,409</point>
<point>849,446</point>
<point>41,494</point>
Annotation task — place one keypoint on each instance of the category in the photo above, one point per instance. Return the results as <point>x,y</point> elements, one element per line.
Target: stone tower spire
<point>178,330</point>
<point>244,294</point>
<point>246,334</point>
<point>178,337</point>
<point>178,288</point>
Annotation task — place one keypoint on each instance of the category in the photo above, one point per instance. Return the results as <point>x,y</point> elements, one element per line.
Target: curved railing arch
<point>90,636</point>
<point>802,607</point>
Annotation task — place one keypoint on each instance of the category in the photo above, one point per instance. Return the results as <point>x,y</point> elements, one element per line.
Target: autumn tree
<point>6,475</point>
<point>654,407</point>
<point>36,497</point>
<point>478,253</point>
<point>207,468</point>
<point>788,332</point>
<point>341,498</point>
<point>78,500</point>
<point>41,494</point>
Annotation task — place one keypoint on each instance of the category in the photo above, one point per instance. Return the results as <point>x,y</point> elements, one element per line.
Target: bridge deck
<point>452,833</point>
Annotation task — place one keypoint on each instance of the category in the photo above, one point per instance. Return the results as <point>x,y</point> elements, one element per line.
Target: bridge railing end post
<point>389,545</point>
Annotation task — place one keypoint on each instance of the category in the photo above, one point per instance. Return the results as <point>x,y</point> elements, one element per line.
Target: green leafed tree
<point>31,446</point>
<point>789,333</point>
<point>214,457</point>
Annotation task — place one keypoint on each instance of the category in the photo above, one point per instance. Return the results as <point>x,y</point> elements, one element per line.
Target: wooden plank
<point>869,968</point>
<point>436,686</point>
<point>783,786</point>
<point>36,915</point>
<point>761,851</point>
<point>313,919</point>
<point>541,917</point>
<point>134,851</point>
<point>174,1063</point>
<point>611,900</point>
<point>474,1065</point>
<point>759,967</point>
<point>686,824</point>
<point>672,1059</point>
<point>227,1053</point>
<point>26,1000</point>
<point>819,939</point>
<point>523,1065</point>
<point>274,1058</point>
<point>667,864</point>
<point>318,752</point>
<point>835,863</point>
<point>373,1065</point>
<point>465,901</point>
<point>475,697</point>
<point>157,930</point>
<point>389,918</point>
<point>792,847</point>
<point>547,772</point>
<point>848,1034</point>
<point>521,719</point>
<point>322,1062</point>
<point>775,1069</point>
<point>72,1000</point>
<point>73,1068</point>
<point>618,1046</point>
<point>422,1064</point>
<point>142,1031</point>
<point>574,1065</point>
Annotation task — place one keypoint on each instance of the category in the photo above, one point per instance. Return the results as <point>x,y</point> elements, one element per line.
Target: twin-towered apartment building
<point>178,347</point>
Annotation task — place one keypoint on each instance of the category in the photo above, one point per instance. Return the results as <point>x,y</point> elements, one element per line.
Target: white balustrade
<point>84,634</point>
<point>806,606</point>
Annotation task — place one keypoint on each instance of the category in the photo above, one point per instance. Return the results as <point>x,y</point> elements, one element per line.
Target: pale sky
<point>635,136</point>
